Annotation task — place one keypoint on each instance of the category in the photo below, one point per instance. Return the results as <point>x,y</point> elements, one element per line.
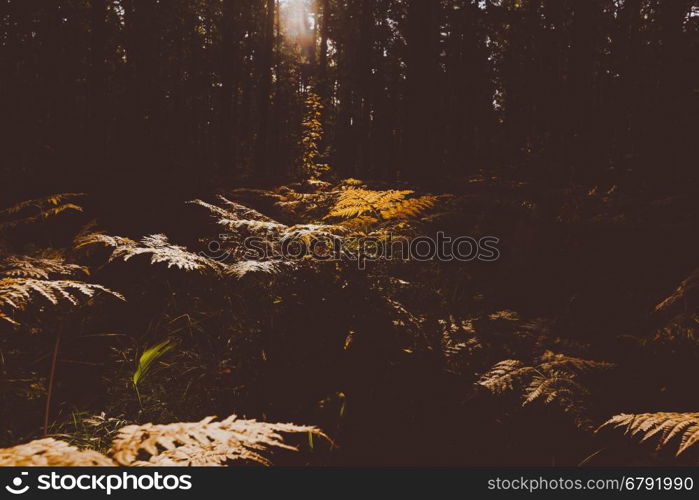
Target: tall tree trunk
<point>422,37</point>
<point>229,90</point>
<point>264,88</point>
<point>97,115</point>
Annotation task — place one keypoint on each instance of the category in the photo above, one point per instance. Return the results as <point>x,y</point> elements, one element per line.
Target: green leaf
<point>150,356</point>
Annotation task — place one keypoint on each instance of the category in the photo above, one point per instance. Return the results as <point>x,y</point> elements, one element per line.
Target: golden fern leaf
<point>553,379</point>
<point>245,267</point>
<point>408,208</point>
<point>551,387</point>
<point>354,202</point>
<point>666,425</point>
<point>550,361</point>
<point>562,388</point>
<point>203,443</point>
<point>50,452</point>
<point>360,223</point>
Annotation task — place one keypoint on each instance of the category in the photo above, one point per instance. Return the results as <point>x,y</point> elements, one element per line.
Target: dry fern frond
<point>245,267</point>
<point>203,443</point>
<point>97,238</point>
<point>239,218</point>
<point>504,375</point>
<point>553,379</point>
<point>665,425</point>
<point>16,293</point>
<point>157,246</point>
<point>689,285</point>
<point>26,266</point>
<point>408,208</point>
<point>51,452</point>
<point>556,385</point>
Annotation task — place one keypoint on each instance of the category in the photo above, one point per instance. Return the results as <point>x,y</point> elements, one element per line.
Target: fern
<point>50,452</point>
<point>553,379</point>
<point>504,376</point>
<point>665,425</point>
<point>51,264</point>
<point>245,267</point>
<point>203,443</point>
<point>157,246</point>
<point>408,208</point>
<point>312,159</point>
<point>37,210</point>
<point>354,202</point>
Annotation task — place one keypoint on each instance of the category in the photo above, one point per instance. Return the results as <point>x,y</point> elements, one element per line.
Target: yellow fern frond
<point>553,379</point>
<point>666,425</point>
<point>360,223</point>
<point>408,208</point>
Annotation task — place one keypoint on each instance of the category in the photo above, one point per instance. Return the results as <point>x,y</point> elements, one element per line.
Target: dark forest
<point>177,175</point>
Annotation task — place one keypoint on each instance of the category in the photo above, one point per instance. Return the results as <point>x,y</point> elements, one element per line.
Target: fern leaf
<point>38,209</point>
<point>553,379</point>
<point>203,443</point>
<point>667,425</point>
<point>51,452</point>
<point>408,208</point>
<point>16,293</point>
<point>157,246</point>
<point>5,317</point>
<point>25,266</point>
<point>245,267</point>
